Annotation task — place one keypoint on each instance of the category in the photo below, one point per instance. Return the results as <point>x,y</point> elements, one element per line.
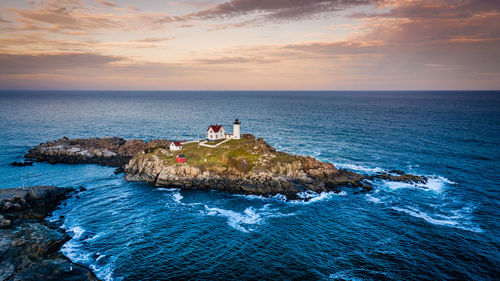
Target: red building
<point>181,158</point>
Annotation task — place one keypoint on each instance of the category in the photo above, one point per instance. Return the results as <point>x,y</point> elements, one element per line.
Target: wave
<point>434,183</point>
<point>277,197</point>
<point>74,251</point>
<point>236,220</point>
<point>248,219</point>
<point>307,197</point>
<point>373,199</point>
<point>166,189</point>
<point>77,231</point>
<point>359,168</point>
<point>104,272</point>
<point>457,220</point>
<point>177,197</point>
<point>311,196</point>
<point>344,276</point>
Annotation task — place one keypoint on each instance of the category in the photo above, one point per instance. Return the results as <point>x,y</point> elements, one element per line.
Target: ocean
<point>447,229</point>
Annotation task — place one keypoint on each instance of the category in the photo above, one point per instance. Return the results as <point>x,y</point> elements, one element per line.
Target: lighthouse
<point>236,129</point>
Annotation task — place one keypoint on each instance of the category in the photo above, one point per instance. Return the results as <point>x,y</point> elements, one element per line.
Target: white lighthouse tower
<point>236,129</point>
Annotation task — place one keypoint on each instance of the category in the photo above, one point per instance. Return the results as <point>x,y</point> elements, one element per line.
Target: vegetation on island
<point>244,155</point>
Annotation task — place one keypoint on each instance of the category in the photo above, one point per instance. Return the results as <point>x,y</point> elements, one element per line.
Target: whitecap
<point>373,199</point>
<point>236,220</point>
<point>277,197</point>
<point>94,237</point>
<point>104,272</point>
<point>71,249</point>
<point>77,231</point>
<point>99,256</point>
<point>166,189</point>
<point>311,196</point>
<point>177,197</point>
<point>458,220</point>
<point>344,276</point>
<point>434,183</point>
<point>359,168</point>
<point>245,221</point>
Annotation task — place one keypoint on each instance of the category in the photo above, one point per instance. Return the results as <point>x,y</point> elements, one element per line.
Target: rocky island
<point>108,151</point>
<point>244,166</point>
<point>29,246</point>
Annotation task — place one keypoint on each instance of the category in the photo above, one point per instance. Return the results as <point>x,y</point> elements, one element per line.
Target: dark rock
<point>4,222</point>
<point>82,189</point>
<point>396,172</point>
<point>401,178</point>
<point>22,164</point>
<point>109,151</point>
<point>29,247</point>
<point>118,170</point>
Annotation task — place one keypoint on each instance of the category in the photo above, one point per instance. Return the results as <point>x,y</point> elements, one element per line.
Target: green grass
<point>239,154</point>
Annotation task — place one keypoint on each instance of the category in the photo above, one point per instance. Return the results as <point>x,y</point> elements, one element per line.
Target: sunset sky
<point>250,44</point>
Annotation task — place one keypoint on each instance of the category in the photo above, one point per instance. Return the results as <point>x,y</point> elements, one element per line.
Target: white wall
<point>236,131</point>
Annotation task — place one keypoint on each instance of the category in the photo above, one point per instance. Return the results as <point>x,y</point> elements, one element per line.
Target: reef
<point>29,246</point>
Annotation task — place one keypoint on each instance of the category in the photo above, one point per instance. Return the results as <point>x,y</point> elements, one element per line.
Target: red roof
<point>216,128</point>
<point>176,143</point>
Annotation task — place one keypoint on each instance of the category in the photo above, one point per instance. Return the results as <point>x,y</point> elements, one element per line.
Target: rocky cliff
<point>29,247</point>
<point>109,151</point>
<point>246,166</point>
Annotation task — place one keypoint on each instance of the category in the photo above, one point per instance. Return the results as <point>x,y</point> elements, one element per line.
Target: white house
<point>175,145</point>
<point>217,132</point>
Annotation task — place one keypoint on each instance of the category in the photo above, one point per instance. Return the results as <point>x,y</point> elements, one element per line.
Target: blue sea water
<point>447,229</point>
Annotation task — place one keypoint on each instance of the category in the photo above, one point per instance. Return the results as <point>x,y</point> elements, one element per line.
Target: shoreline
<point>30,246</point>
<point>239,166</point>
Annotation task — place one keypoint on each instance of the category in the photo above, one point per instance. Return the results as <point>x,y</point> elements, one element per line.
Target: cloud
<point>234,60</point>
<point>277,10</point>
<point>107,3</point>
<point>75,17</point>
<point>52,63</point>
<point>152,39</point>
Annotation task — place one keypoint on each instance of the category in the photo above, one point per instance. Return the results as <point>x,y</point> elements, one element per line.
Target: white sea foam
<point>277,197</point>
<point>434,183</point>
<point>311,196</point>
<point>99,256</point>
<point>236,220</point>
<point>344,276</point>
<point>77,232</point>
<point>166,189</point>
<point>307,197</point>
<point>105,272</point>
<point>248,219</point>
<point>373,199</point>
<point>458,220</point>
<point>74,252</point>
<point>359,168</point>
<point>94,237</point>
<point>177,197</point>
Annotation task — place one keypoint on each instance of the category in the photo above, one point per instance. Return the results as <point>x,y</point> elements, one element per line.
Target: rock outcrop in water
<point>109,151</point>
<point>29,248</point>
<point>246,166</point>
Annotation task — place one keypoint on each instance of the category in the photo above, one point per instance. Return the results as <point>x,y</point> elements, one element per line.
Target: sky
<point>250,45</point>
